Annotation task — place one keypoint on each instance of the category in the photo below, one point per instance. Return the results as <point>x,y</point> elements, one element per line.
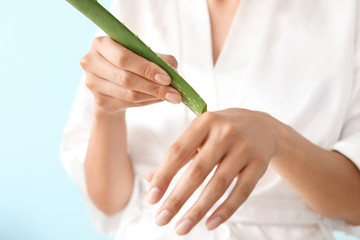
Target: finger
<point>150,175</point>
<point>131,81</point>
<point>192,178</point>
<point>216,187</point>
<point>128,80</point>
<point>176,157</point>
<point>245,184</point>
<point>96,84</point>
<point>128,60</point>
<point>192,156</point>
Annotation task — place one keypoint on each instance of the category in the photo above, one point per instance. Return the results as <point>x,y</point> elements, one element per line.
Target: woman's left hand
<point>239,142</point>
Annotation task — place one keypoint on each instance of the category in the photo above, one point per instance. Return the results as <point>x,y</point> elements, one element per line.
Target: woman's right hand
<point>120,79</point>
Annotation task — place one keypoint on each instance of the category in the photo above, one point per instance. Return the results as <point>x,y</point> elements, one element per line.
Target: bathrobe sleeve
<point>349,144</point>
<point>73,152</point>
<point>74,147</point>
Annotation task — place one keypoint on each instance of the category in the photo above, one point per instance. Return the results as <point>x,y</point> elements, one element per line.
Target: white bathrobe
<point>297,60</point>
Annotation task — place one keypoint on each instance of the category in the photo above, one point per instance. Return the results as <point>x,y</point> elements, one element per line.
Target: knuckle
<point>147,71</point>
<point>97,41</point>
<point>174,203</point>
<point>228,130</point>
<point>228,209</point>
<point>197,213</point>
<point>209,117</point>
<point>263,114</point>
<point>131,96</point>
<point>161,180</point>
<point>245,145</point>
<point>175,151</point>
<point>124,79</point>
<point>197,171</point>
<point>84,62</point>
<point>101,38</point>
<point>204,119</point>
<point>261,166</point>
<point>245,190</point>
<point>156,91</point>
<point>100,101</point>
<point>90,82</point>
<point>219,184</point>
<point>122,58</point>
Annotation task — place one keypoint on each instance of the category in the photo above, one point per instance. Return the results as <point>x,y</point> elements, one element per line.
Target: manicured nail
<point>184,227</point>
<point>173,97</point>
<point>214,223</point>
<point>154,195</point>
<point>163,218</point>
<point>163,79</point>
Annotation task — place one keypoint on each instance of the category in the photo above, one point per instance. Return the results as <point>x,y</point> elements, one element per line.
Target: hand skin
<point>242,144</point>
<point>119,79</point>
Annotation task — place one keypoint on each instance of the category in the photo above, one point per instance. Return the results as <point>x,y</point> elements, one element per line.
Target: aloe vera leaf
<point>121,34</point>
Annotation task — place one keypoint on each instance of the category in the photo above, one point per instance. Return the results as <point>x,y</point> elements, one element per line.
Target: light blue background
<point>41,43</point>
<point>40,46</point>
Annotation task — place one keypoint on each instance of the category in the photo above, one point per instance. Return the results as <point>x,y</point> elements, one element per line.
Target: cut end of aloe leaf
<point>198,110</point>
<point>196,104</point>
<point>204,109</point>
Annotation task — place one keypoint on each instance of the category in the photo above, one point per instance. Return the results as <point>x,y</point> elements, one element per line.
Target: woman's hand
<point>240,143</point>
<point>120,79</point>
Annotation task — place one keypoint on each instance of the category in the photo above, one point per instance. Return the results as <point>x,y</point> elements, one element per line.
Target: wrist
<point>101,113</point>
<point>285,138</point>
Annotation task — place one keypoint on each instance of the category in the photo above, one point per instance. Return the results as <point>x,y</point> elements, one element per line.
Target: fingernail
<point>163,79</point>
<point>163,218</point>
<point>154,195</point>
<point>184,227</point>
<point>173,97</point>
<point>214,223</point>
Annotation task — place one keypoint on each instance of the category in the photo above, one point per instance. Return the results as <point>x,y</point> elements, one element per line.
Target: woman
<point>276,157</point>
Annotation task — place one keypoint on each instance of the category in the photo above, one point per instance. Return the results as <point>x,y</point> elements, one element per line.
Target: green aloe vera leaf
<point>121,34</point>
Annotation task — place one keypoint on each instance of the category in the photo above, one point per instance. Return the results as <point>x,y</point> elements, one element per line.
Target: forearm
<point>108,169</point>
<point>326,180</point>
